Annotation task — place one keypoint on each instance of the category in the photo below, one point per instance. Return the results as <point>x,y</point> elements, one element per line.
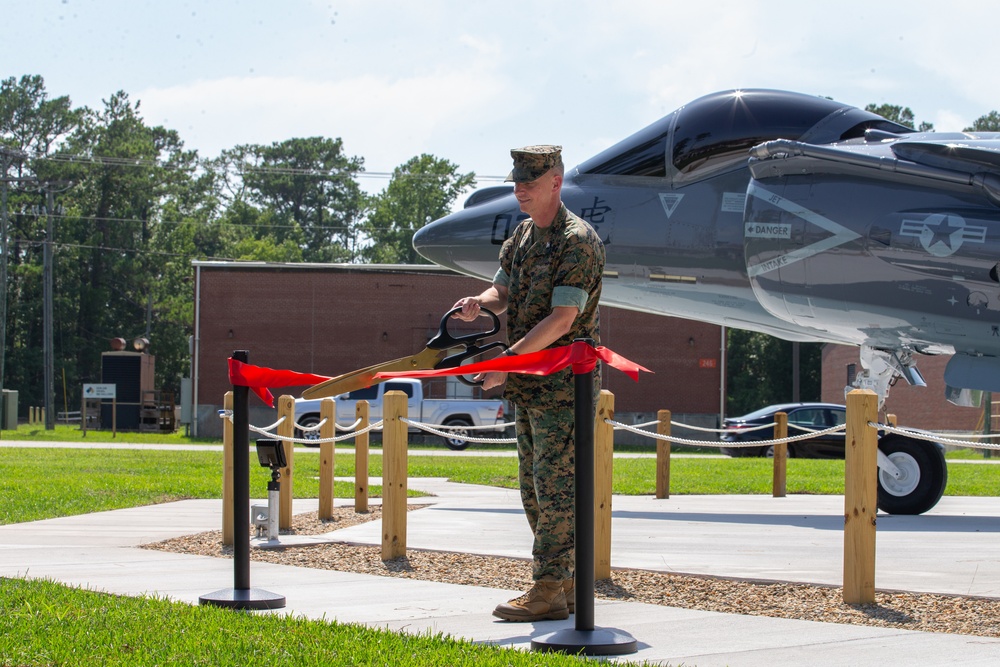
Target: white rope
<point>281,420</point>
<point>933,437</point>
<point>748,429</point>
<point>718,430</point>
<point>316,441</point>
<point>458,436</point>
<point>986,436</point>
<point>309,429</point>
<point>357,423</point>
<point>721,444</point>
<point>268,430</point>
<point>705,429</point>
<point>484,427</point>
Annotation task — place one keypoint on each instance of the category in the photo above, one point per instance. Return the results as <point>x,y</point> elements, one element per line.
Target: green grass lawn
<point>48,624</point>
<point>69,433</point>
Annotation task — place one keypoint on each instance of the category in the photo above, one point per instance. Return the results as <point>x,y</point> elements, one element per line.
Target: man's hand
<point>491,379</point>
<point>470,308</point>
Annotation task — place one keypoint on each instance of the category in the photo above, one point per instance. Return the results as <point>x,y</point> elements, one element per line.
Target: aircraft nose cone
<point>468,241</point>
<point>436,240</point>
<point>431,236</point>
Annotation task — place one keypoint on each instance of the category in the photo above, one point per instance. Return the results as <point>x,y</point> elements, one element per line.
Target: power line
<point>208,223</point>
<point>135,251</point>
<point>240,170</point>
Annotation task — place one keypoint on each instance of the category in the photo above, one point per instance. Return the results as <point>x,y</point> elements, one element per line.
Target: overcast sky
<point>467,81</point>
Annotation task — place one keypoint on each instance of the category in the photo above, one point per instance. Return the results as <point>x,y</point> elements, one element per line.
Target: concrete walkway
<point>955,548</point>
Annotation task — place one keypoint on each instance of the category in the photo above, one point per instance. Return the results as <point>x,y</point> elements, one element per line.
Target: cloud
<point>378,117</point>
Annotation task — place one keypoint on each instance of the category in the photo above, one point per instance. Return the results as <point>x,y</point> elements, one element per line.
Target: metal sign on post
<point>97,392</point>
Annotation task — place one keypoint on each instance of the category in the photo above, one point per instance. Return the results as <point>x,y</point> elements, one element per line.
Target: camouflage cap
<point>531,162</point>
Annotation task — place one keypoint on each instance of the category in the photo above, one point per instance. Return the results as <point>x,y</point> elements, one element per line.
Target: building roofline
<point>307,266</point>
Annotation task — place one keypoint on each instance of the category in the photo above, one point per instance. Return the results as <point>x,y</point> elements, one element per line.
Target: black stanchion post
<point>584,638</point>
<point>241,596</point>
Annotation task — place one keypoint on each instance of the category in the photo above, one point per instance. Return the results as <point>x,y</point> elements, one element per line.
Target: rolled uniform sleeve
<point>501,278</point>
<point>564,295</point>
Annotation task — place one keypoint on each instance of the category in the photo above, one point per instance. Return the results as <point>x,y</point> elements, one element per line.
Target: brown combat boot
<point>544,600</point>
<point>569,590</point>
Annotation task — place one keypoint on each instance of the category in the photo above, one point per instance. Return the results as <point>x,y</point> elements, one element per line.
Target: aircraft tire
<point>924,478</point>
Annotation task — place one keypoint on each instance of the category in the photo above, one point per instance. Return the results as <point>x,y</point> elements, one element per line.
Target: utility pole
<point>50,188</point>
<point>8,158</point>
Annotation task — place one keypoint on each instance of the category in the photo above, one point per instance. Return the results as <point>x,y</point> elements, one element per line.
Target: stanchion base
<point>599,641</point>
<point>243,598</point>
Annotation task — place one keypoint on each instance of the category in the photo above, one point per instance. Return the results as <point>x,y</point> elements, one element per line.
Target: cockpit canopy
<point>714,133</point>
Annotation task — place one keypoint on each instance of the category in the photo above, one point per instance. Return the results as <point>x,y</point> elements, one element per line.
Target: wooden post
<point>227,472</point>
<point>286,429</point>
<point>393,475</point>
<point>890,419</point>
<point>361,459</point>
<point>663,455</point>
<point>327,454</point>
<point>779,476</point>
<point>860,497</point>
<point>987,419</point>
<point>604,448</point>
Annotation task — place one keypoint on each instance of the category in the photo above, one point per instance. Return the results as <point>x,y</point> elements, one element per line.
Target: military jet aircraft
<point>796,216</point>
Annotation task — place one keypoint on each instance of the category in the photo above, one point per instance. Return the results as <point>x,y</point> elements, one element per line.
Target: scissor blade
<point>365,377</point>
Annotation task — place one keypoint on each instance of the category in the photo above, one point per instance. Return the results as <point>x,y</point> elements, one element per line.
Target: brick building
<point>919,407</point>
<point>330,319</point>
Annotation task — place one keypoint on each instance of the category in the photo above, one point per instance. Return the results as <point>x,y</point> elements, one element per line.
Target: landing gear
<point>911,473</point>
<point>880,368</point>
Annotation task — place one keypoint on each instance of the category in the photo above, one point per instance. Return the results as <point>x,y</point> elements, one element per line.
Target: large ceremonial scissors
<point>435,355</point>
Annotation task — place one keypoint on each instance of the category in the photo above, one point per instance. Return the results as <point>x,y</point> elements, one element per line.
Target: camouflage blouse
<point>564,260</point>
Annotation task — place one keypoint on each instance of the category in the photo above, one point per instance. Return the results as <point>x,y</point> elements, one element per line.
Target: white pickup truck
<point>453,412</point>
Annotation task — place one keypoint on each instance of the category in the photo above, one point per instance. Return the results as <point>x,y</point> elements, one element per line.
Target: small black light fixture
<point>271,454</point>
<point>691,341</point>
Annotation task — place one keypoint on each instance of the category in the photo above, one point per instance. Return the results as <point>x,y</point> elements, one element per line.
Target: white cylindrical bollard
<point>273,503</point>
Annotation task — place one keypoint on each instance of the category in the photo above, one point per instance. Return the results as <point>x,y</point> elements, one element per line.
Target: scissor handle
<point>456,360</point>
<point>443,340</point>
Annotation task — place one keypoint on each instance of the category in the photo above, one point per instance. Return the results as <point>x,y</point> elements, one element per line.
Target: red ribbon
<point>259,378</point>
<point>582,356</point>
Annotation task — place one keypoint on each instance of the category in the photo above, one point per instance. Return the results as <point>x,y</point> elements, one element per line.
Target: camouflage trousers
<point>546,467</point>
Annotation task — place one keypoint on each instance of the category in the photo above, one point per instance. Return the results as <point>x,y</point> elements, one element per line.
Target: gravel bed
<point>903,610</point>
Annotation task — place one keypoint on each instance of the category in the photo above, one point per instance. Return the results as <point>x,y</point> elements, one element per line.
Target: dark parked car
<point>812,416</point>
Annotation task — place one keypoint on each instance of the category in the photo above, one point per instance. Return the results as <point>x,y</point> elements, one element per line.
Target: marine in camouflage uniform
<point>560,265</point>
<point>549,283</point>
